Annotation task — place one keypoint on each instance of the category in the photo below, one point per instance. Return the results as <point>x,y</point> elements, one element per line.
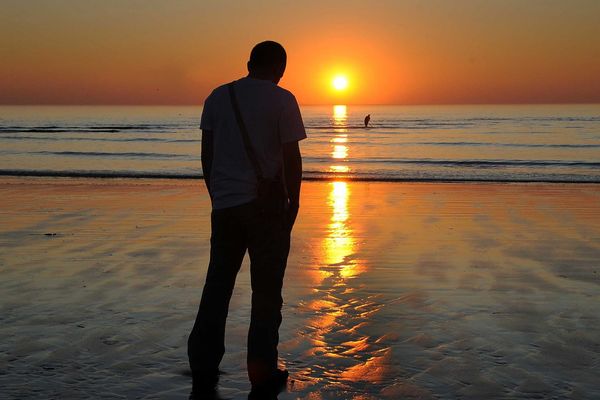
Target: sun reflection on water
<point>339,168</point>
<point>340,148</point>
<point>340,151</point>
<point>340,115</point>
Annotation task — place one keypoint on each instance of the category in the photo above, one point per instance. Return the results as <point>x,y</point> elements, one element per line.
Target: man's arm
<point>206,156</point>
<point>292,162</point>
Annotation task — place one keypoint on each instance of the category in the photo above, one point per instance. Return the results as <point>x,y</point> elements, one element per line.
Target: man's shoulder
<point>284,92</point>
<point>283,96</point>
<point>219,91</point>
<point>286,95</point>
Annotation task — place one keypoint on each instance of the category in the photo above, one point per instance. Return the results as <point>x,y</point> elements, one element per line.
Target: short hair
<point>267,54</point>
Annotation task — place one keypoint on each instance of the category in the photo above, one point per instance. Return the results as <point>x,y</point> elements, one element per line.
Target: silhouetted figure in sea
<point>252,168</point>
<point>367,119</point>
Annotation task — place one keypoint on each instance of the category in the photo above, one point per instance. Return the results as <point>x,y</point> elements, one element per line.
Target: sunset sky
<point>390,52</point>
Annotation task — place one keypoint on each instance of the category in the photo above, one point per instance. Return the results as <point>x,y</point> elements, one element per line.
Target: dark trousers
<point>235,230</point>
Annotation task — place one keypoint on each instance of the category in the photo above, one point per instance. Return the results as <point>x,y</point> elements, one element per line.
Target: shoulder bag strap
<point>244,131</point>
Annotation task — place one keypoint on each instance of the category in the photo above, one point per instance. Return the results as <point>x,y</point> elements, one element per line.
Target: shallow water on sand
<point>405,290</point>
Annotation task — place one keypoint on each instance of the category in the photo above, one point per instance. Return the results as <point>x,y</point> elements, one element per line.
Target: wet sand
<point>393,291</point>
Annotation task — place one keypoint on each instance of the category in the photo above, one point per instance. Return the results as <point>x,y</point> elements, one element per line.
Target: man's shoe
<point>204,385</point>
<point>271,387</point>
<point>204,396</point>
<point>280,376</point>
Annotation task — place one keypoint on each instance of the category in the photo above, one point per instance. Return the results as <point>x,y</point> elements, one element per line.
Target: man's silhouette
<point>367,119</point>
<point>274,127</point>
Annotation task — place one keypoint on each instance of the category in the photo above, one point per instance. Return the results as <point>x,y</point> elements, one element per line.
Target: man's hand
<point>292,165</point>
<point>292,213</point>
<point>206,156</point>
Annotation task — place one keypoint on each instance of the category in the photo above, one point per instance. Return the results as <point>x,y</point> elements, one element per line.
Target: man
<point>274,127</point>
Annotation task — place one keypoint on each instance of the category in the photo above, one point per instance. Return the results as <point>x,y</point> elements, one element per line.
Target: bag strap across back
<point>244,131</point>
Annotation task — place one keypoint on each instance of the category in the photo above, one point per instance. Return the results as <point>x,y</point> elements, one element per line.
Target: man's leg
<point>268,246</point>
<point>206,344</point>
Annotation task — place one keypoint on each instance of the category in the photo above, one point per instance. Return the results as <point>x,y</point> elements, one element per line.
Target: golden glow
<point>340,151</point>
<point>339,168</point>
<point>351,270</point>
<point>340,148</point>
<point>342,328</point>
<point>340,313</point>
<point>338,246</point>
<point>340,83</point>
<point>373,370</point>
<point>339,201</point>
<point>339,243</point>
<point>70,52</point>
<point>340,114</point>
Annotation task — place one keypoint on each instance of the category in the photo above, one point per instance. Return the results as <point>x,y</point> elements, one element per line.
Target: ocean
<point>532,143</point>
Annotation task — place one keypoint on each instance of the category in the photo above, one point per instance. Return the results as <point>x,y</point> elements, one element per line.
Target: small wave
<point>367,141</point>
<point>57,130</point>
<point>351,127</point>
<point>398,125</point>
<point>109,154</point>
<point>511,163</point>
<point>313,142</point>
<point>308,176</point>
<point>550,145</point>
<point>101,174</point>
<point>534,119</point>
<point>86,139</point>
<point>463,163</point>
<point>130,127</point>
<point>440,123</point>
<point>88,128</point>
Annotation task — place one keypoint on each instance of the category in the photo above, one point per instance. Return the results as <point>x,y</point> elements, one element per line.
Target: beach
<point>405,290</point>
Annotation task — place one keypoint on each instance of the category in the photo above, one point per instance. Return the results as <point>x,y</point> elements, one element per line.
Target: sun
<point>340,83</point>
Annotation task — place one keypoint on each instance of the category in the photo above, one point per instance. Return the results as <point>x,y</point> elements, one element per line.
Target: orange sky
<point>394,52</point>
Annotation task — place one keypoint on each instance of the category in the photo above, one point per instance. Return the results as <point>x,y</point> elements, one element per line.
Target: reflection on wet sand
<point>393,291</point>
<point>342,348</point>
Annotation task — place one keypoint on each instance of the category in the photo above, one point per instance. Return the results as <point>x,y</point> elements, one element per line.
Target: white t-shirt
<point>272,117</point>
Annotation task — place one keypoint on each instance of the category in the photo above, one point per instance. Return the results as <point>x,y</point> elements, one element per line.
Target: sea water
<point>488,143</point>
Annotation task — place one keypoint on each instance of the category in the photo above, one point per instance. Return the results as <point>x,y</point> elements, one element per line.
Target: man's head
<point>267,61</point>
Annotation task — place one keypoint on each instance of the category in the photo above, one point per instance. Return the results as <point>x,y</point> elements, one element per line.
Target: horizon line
<point>301,104</point>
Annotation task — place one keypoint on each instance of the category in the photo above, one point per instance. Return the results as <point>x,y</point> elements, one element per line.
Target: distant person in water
<point>250,133</point>
<point>367,119</point>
